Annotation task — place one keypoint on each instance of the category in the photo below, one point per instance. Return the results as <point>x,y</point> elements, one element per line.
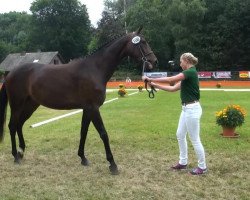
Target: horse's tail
<point>3,106</point>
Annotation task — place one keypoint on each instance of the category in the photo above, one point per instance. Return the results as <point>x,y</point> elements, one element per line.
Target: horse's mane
<point>102,46</point>
<point>106,44</point>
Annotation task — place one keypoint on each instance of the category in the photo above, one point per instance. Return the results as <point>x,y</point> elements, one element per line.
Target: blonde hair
<point>190,58</point>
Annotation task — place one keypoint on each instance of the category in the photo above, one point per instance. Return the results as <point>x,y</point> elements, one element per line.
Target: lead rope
<point>136,41</point>
<point>151,94</point>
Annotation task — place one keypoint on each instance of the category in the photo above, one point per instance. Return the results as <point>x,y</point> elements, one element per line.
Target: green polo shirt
<point>190,90</point>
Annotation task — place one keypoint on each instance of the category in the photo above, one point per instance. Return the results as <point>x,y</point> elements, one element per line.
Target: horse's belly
<point>63,95</point>
<point>61,106</point>
<point>67,102</point>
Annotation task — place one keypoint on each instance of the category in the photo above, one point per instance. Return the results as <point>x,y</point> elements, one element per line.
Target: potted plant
<point>218,85</point>
<point>122,91</point>
<point>140,87</point>
<point>121,86</point>
<point>229,118</point>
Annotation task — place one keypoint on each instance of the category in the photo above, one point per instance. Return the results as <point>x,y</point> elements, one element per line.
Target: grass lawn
<point>144,145</point>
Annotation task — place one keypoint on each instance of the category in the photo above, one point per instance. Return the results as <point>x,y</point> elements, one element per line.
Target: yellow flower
<point>121,86</point>
<point>231,116</point>
<point>122,92</point>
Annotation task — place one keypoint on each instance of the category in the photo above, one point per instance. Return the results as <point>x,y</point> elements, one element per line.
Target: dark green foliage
<point>217,32</point>
<point>61,25</point>
<point>14,33</point>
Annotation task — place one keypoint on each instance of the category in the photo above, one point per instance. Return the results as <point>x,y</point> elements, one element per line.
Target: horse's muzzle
<point>151,65</point>
<point>155,63</point>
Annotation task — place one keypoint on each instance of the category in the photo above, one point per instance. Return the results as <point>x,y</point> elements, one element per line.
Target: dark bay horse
<point>78,84</point>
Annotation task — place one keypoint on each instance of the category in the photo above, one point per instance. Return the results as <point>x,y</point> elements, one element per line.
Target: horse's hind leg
<point>17,119</point>
<point>13,128</point>
<point>98,123</point>
<point>84,131</point>
<point>28,109</point>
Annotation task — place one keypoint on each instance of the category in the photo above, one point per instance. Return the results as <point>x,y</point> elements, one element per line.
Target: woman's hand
<point>145,78</point>
<point>153,84</point>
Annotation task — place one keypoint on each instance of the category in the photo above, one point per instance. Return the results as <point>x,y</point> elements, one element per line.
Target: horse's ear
<point>139,30</point>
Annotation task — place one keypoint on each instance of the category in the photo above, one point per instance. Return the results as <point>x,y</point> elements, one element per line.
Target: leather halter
<point>144,55</point>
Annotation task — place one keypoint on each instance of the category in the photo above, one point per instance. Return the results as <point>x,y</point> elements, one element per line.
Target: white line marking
<point>55,118</point>
<point>133,93</point>
<point>225,90</point>
<point>114,99</point>
<point>71,113</point>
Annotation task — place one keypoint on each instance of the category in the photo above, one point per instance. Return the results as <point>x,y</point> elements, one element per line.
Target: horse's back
<point>22,71</point>
<point>18,78</point>
<point>66,86</point>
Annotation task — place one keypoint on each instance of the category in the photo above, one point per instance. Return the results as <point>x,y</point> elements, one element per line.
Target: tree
<point>62,26</point>
<point>14,33</point>
<point>235,28</point>
<point>185,18</point>
<point>226,35</point>
<point>152,15</point>
<point>112,22</point>
<point>3,50</point>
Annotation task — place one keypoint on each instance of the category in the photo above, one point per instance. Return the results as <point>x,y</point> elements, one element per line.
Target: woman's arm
<point>172,79</point>
<point>168,88</point>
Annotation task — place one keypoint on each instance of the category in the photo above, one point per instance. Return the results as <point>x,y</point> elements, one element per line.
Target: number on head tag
<point>136,40</point>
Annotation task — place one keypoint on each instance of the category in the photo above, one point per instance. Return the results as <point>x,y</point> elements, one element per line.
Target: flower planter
<point>229,132</point>
<point>140,87</point>
<point>122,91</point>
<point>122,95</point>
<point>229,118</point>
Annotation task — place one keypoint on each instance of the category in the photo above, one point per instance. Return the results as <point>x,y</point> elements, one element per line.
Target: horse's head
<point>139,49</point>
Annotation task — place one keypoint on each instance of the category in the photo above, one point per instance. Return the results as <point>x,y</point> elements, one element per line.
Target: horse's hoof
<point>113,170</point>
<point>85,162</point>
<point>20,154</point>
<point>18,157</point>
<point>17,160</point>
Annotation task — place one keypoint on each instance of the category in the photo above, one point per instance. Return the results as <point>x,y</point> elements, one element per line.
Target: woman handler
<point>189,122</point>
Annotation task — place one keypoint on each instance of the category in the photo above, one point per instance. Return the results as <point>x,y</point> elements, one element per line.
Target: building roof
<point>15,59</point>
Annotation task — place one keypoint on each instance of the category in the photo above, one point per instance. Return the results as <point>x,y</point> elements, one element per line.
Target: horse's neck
<point>111,57</point>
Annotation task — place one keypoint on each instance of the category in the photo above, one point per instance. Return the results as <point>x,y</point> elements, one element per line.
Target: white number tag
<point>136,40</point>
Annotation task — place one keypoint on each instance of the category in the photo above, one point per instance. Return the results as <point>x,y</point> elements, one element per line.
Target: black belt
<point>187,103</point>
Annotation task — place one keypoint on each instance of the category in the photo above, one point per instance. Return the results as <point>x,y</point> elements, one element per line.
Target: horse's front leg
<point>84,130</point>
<point>98,123</point>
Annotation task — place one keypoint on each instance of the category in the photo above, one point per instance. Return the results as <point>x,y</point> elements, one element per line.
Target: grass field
<point>143,141</point>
